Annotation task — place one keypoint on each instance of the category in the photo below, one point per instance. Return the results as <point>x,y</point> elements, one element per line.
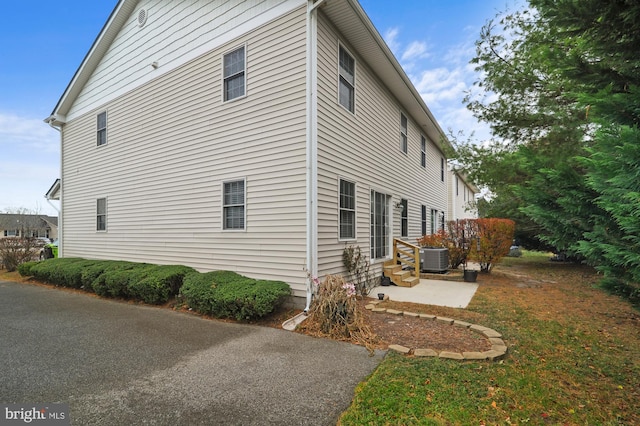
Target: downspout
<point>50,121</point>
<point>312,146</point>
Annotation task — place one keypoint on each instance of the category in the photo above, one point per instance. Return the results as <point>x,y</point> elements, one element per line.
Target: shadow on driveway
<point>117,363</point>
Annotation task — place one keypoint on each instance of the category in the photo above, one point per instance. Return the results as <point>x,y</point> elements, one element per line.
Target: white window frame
<point>243,73</point>
<point>101,214</point>
<point>225,206</point>
<point>434,221</point>
<point>352,211</point>
<point>343,79</point>
<point>101,130</point>
<point>404,133</point>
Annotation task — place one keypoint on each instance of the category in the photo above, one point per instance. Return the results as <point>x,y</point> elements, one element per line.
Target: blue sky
<point>44,43</point>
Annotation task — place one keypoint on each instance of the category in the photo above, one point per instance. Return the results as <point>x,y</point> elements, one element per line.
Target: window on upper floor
<point>404,144</point>
<point>347,210</point>
<point>423,151</point>
<point>101,214</point>
<point>102,129</point>
<point>234,69</point>
<point>442,169</point>
<point>347,80</point>
<point>233,205</point>
<point>457,184</point>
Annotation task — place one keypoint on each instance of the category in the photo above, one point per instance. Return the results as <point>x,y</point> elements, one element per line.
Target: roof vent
<point>142,17</point>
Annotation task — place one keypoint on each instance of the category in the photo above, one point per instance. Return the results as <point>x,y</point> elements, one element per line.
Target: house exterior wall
<point>172,142</point>
<point>171,37</point>
<point>365,148</point>
<point>462,199</point>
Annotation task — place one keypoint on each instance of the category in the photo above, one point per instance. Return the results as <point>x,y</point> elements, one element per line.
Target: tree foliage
<point>560,89</point>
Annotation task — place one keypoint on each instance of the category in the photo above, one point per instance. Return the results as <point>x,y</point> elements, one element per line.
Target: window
<point>11,233</point>
<point>403,133</point>
<point>423,152</point>
<point>102,129</point>
<point>233,205</point>
<point>347,210</point>
<point>442,169</point>
<point>101,214</point>
<point>404,218</point>
<point>457,184</point>
<point>347,81</point>
<point>234,74</point>
<point>423,221</point>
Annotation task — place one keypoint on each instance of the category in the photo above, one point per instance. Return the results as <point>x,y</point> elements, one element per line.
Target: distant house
<point>462,197</point>
<point>258,136</point>
<point>28,225</point>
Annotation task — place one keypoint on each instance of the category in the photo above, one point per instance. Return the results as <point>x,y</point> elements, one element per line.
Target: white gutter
<point>52,121</point>
<point>312,146</point>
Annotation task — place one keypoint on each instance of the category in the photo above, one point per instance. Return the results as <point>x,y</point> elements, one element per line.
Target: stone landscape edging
<point>498,346</point>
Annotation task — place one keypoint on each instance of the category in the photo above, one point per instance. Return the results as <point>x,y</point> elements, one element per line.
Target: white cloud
<point>18,133</point>
<point>415,50</point>
<point>31,162</point>
<point>441,85</point>
<point>391,38</point>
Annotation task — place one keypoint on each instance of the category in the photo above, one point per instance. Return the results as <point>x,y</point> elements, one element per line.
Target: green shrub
<point>159,284</point>
<point>24,269</point>
<point>220,293</point>
<point>92,272</point>
<point>53,270</point>
<point>225,294</point>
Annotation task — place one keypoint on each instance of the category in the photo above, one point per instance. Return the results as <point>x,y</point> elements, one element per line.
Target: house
<point>28,225</point>
<point>462,196</point>
<point>259,136</point>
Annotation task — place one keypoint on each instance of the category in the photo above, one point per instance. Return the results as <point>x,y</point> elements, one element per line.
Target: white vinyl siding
<point>171,38</point>
<point>165,204</point>
<point>361,147</point>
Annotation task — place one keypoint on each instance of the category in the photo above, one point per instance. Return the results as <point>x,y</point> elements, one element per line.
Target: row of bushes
<point>484,240</point>
<point>221,294</point>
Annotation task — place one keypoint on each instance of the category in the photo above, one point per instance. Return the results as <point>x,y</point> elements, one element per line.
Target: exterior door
<point>380,226</point>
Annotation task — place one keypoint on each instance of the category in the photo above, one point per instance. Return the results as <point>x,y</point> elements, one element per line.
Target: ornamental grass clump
<point>336,313</point>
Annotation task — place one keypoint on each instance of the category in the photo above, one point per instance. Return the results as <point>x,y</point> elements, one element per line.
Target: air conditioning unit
<point>434,259</point>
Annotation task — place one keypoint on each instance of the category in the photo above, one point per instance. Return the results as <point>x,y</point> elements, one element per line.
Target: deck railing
<point>408,255</point>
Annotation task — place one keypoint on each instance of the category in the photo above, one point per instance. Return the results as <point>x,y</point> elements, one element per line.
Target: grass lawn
<point>574,358</point>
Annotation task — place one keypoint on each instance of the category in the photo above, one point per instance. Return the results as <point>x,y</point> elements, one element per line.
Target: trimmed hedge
<point>225,294</point>
<point>222,294</point>
<point>154,284</point>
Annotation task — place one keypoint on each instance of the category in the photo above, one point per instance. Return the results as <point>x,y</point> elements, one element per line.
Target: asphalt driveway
<point>123,364</point>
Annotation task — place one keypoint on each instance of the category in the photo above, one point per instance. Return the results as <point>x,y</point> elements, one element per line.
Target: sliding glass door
<point>380,225</point>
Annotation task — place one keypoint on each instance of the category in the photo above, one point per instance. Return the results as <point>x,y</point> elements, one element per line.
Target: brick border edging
<point>498,346</point>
